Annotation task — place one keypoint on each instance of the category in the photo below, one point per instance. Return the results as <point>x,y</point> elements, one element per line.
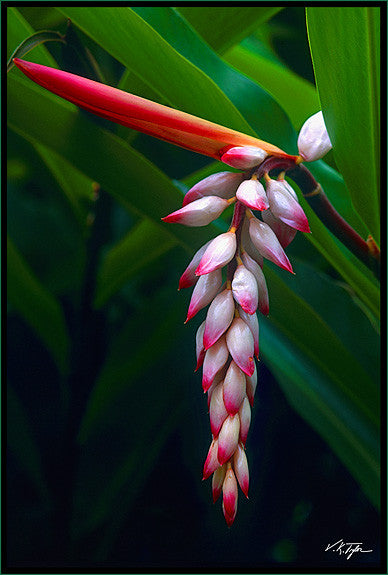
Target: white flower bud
<point>313,140</point>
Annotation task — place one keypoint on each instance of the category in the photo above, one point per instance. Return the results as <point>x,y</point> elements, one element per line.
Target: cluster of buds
<point>227,341</point>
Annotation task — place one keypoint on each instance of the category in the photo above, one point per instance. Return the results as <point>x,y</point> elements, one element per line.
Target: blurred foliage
<point>107,424</point>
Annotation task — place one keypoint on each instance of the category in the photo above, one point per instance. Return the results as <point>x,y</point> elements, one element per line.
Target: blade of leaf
<point>37,306</point>
<point>348,84</point>
<point>32,42</point>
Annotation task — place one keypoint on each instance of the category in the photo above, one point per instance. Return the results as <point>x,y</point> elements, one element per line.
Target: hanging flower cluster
<point>227,271</point>
<point>228,339</point>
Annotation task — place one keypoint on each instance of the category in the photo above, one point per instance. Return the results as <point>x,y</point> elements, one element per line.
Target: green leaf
<point>139,248</point>
<point>325,408</point>
<point>37,306</point>
<point>32,42</point>
<point>345,46</point>
<point>22,444</point>
<point>224,26</point>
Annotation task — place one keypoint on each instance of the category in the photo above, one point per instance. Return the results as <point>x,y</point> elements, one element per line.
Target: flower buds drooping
<point>215,358</point>
<point>266,242</point>
<point>313,140</point>
<point>204,291</point>
<point>254,267</point>
<point>198,213</point>
<point>245,420</point>
<point>200,349</point>
<point>218,412</point>
<point>234,388</point>
<point>223,184</point>
<point>229,497</point>
<point>283,232</point>
<point>217,482</point>
<point>253,324</point>
<point>244,288</point>
<point>228,438</point>
<point>241,471</point>
<point>219,317</point>
<point>285,207</point>
<point>241,346</point>
<point>220,251</point>
<point>251,386</point>
<point>252,194</point>
<point>211,462</point>
<point>188,278</point>
<point>244,157</point>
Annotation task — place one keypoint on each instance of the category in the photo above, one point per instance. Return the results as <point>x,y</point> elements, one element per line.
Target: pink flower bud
<point>200,350</point>
<point>218,412</point>
<point>229,497</point>
<point>215,358</point>
<point>265,240</point>
<point>244,157</point>
<point>240,343</point>
<point>254,267</point>
<point>241,471</point>
<point>233,388</point>
<point>251,386</point>
<point>252,194</point>
<point>313,140</point>
<point>223,184</point>
<point>219,317</point>
<point>188,278</point>
<point>198,213</point>
<point>245,420</point>
<point>289,189</point>
<point>220,376</point>
<point>285,207</point>
<point>217,482</point>
<point>247,245</point>
<point>220,252</point>
<point>211,463</point>
<point>203,293</point>
<point>228,438</point>
<point>284,233</point>
<point>244,288</point>
<point>253,324</point>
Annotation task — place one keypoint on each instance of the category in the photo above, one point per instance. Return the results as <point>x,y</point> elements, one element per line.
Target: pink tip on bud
<point>245,420</point>
<point>219,253</point>
<point>265,240</point>
<point>228,438</point>
<point>252,194</point>
<point>204,291</point>
<point>253,324</point>
<point>241,470</point>
<point>199,213</point>
<point>244,157</point>
<point>215,359</point>
<point>283,232</point>
<point>223,184</point>
<point>188,278</point>
<point>251,386</point>
<point>244,288</point>
<point>247,245</point>
<point>229,496</point>
<point>219,317</point>
<point>285,207</point>
<point>218,412</point>
<point>211,462</point>
<point>217,482</point>
<point>240,343</point>
<point>313,140</point>
<point>254,267</point>
<point>200,350</point>
<point>234,388</point>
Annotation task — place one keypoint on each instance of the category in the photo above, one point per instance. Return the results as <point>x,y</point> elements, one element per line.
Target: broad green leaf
<point>325,408</point>
<point>345,47</point>
<point>22,443</point>
<point>17,31</point>
<point>296,96</point>
<point>139,248</point>
<point>224,26</point>
<point>32,42</point>
<point>37,306</point>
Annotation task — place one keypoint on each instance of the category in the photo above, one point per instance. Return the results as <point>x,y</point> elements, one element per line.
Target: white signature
<point>346,548</point>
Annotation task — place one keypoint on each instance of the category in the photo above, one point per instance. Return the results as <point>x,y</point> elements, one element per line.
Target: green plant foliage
<point>349,38</point>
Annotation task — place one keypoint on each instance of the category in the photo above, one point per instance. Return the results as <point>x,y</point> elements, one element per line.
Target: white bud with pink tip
<point>244,157</point>
<point>252,194</point>
<point>284,233</point>
<point>217,412</point>
<point>245,420</point>
<point>219,317</point>
<point>228,438</point>
<point>198,213</point>
<point>229,497</point>
<point>253,324</point>
<point>188,278</point>
<point>199,347</point>
<point>251,386</point>
<point>222,184</point>
<point>204,291</point>
<point>215,358</point>
<point>234,388</point>
<point>241,470</point>
<point>265,240</point>
<point>287,187</point>
<point>285,207</point>
<point>244,288</point>
<point>220,252</point>
<point>254,267</point>
<point>313,140</point>
<point>220,376</point>
<point>240,343</point>
<point>211,462</point>
<point>247,245</point>
<point>217,482</point>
